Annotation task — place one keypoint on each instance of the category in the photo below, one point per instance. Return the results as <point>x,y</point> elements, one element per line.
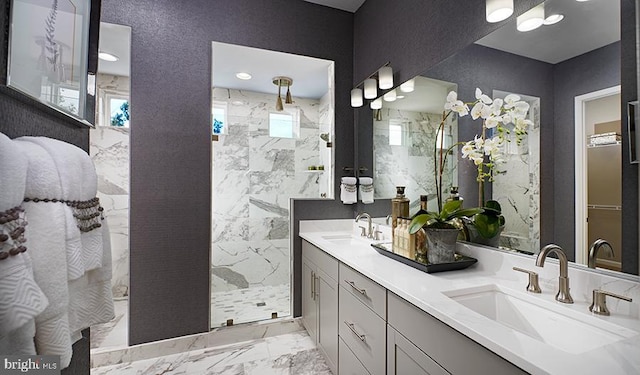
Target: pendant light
<point>499,10</point>
<point>279,106</point>
<point>282,81</point>
<point>288,97</point>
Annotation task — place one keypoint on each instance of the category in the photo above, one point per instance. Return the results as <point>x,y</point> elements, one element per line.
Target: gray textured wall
<point>170,136</point>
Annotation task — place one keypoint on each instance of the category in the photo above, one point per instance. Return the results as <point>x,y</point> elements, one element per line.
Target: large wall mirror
<point>551,186</point>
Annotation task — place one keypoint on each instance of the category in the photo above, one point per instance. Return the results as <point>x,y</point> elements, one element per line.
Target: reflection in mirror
<point>272,130</point>
<point>109,150</point>
<point>556,64</point>
<point>516,186</point>
<point>404,138</point>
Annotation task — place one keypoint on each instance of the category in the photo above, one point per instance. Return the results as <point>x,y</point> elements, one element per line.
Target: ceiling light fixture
<point>282,81</point>
<point>553,19</point>
<point>499,10</point>
<point>107,56</point>
<point>244,76</point>
<point>381,78</point>
<point>531,20</point>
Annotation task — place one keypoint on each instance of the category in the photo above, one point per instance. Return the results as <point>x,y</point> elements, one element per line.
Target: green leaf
<point>487,225</point>
<point>468,212</point>
<point>450,207</point>
<point>420,221</point>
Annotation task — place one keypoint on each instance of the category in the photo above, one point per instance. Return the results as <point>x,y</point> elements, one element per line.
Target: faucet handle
<point>599,303</point>
<point>533,285</point>
<point>363,231</point>
<point>376,234</point>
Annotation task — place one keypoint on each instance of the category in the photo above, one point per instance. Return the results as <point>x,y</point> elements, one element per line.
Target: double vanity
<point>370,314</point>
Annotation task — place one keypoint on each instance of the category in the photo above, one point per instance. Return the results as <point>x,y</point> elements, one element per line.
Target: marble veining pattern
<point>109,150</point>
<point>518,188</point>
<point>411,163</point>
<point>288,354</point>
<point>254,178</point>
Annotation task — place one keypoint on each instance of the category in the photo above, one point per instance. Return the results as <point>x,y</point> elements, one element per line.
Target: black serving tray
<point>460,262</point>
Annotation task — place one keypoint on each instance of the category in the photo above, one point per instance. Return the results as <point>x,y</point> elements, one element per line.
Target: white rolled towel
<point>348,190</point>
<point>21,299</point>
<point>366,190</point>
<point>47,246</point>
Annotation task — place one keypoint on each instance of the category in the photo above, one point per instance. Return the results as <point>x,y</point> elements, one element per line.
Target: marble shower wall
<point>409,164</point>
<point>254,177</point>
<point>109,150</point>
<point>518,188</point>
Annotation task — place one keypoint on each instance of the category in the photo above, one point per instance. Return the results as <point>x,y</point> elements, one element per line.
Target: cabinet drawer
<point>363,331</point>
<point>348,363</point>
<point>365,290</point>
<point>325,262</point>
<point>444,344</point>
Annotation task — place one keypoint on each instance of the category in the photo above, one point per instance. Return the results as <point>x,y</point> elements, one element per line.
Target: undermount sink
<point>549,323</point>
<point>342,239</point>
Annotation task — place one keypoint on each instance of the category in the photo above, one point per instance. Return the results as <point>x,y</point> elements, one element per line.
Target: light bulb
<point>376,104</point>
<point>390,96</point>
<point>385,78</point>
<point>499,10</point>
<point>370,88</point>
<point>408,86</point>
<point>531,20</point>
<point>356,98</point>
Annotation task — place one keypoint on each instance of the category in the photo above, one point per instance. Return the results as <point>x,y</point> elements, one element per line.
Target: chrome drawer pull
<point>353,329</point>
<point>313,286</point>
<point>353,285</point>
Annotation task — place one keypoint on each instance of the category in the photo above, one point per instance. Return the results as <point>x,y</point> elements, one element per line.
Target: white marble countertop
<point>494,267</point>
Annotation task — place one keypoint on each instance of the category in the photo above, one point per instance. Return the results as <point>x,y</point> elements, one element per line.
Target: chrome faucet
<point>563,291</point>
<point>370,227</point>
<point>593,251</point>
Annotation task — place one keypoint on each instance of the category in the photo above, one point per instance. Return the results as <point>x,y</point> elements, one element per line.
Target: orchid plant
<point>485,150</point>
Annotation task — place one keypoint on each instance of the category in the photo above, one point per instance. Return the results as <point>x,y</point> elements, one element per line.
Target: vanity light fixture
<point>390,96</point>
<point>382,78</point>
<point>531,20</point>
<point>106,56</point>
<point>385,77</point>
<point>376,104</point>
<point>553,19</point>
<point>356,97</point>
<point>282,81</point>
<point>370,88</point>
<point>499,10</point>
<point>408,86</point>
<point>243,76</point>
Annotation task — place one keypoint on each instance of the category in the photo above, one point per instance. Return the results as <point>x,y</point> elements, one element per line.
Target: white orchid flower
<point>522,124</point>
<point>491,146</point>
<point>492,121</point>
<point>496,107</point>
<point>455,105</point>
<point>521,107</point>
<point>476,111</point>
<point>468,148</point>
<point>482,97</point>
<point>507,117</point>
<point>510,100</point>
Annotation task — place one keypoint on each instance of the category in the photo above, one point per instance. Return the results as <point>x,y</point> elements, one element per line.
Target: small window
<point>219,118</point>
<point>395,133</point>
<point>284,124</point>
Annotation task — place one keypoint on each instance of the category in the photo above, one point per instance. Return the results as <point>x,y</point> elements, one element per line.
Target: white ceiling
<point>348,5</point>
<point>586,26</point>
<point>310,75</point>
<point>116,40</point>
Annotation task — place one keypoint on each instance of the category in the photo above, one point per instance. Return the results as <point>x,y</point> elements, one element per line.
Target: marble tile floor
<point>113,334</point>
<point>287,354</point>
<point>250,304</point>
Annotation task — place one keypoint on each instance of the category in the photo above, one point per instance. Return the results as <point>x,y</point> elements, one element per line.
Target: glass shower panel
<point>261,159</point>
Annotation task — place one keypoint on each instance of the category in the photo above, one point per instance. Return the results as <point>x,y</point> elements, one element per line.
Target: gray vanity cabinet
<point>403,357</point>
<point>320,301</point>
<point>437,343</point>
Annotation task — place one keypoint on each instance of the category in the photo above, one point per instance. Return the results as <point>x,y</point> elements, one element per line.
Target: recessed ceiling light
<point>107,56</point>
<point>553,19</point>
<point>243,75</point>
